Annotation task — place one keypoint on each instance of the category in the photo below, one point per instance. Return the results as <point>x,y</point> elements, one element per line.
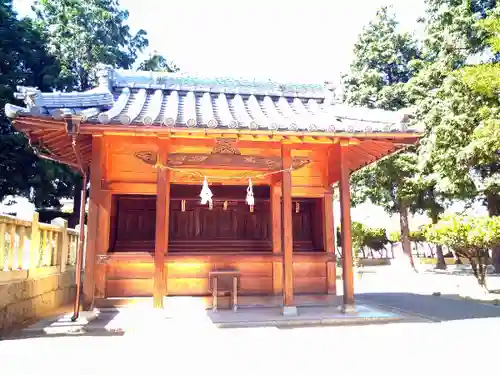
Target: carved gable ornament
<point>224,155</point>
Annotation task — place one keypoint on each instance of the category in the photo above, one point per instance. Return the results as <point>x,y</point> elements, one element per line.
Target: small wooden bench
<point>224,281</point>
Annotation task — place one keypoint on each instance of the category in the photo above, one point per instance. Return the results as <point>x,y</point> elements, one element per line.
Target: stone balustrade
<point>36,268</point>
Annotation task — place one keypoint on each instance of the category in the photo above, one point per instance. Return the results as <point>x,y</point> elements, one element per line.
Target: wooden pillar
<point>345,209</point>
<point>276,235</point>
<point>96,176</point>
<point>162,223</point>
<point>102,243</point>
<point>287,234</point>
<point>328,240</point>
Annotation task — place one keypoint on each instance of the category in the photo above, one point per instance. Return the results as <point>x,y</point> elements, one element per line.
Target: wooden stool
<point>224,281</point>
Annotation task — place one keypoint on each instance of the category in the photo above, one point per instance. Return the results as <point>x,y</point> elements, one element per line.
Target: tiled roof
<point>173,99</point>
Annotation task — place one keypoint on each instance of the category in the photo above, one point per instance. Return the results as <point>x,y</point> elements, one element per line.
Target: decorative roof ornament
<point>104,75</point>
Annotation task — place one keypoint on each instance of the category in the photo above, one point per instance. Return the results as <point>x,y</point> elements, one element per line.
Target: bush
<point>375,238</point>
<point>470,237</point>
<point>395,237</point>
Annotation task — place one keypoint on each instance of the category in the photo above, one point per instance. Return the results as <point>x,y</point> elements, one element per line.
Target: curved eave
<point>364,148</point>
<point>49,138</point>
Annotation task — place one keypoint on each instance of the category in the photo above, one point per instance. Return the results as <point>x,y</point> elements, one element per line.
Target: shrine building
<point>190,175</point>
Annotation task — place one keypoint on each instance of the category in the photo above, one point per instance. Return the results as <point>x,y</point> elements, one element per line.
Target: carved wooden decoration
<point>225,146</point>
<point>226,157</point>
<point>149,157</point>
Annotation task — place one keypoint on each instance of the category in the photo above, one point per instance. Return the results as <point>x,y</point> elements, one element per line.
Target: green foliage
<point>24,60</point>
<point>84,33</point>
<point>395,237</point>
<point>382,63</point>
<point>375,238</point>
<point>363,236</point>
<point>470,237</point>
<point>417,236</point>
<point>447,106</point>
<point>358,231</point>
<point>158,63</point>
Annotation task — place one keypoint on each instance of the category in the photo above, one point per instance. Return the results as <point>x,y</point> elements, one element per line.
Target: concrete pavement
<point>435,344</point>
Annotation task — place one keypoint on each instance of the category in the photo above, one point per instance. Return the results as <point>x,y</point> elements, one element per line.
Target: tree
<point>157,63</point>
<point>471,237</point>
<point>84,33</point>
<point>452,111</point>
<point>24,60</point>
<point>383,64</point>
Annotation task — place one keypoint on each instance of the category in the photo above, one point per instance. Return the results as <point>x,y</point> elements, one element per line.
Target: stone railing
<point>33,247</point>
<point>36,267</point>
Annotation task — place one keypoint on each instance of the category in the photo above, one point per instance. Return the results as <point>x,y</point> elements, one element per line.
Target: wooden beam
<point>276,235</point>
<point>286,195</point>
<point>162,221</point>
<point>345,208</point>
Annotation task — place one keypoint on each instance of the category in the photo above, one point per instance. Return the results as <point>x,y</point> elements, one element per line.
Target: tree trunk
<point>77,194</point>
<point>405,233</point>
<point>493,203</point>
<point>441,263</point>
<point>457,257</point>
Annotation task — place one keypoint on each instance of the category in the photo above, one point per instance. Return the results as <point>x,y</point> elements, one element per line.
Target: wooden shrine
<point>268,153</point>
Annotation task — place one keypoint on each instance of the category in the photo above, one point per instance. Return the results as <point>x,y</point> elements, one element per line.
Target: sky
<point>306,41</point>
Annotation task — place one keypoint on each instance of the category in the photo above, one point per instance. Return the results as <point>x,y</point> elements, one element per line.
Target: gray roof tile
<point>165,99</point>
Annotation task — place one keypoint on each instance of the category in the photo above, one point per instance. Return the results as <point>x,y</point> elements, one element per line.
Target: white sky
<point>286,40</point>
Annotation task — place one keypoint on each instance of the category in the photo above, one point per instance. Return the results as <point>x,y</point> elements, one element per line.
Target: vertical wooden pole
<point>328,240</point>
<point>345,208</point>
<point>162,224</point>
<point>102,243</point>
<point>328,223</point>
<point>286,193</point>
<point>96,176</point>
<point>276,233</point>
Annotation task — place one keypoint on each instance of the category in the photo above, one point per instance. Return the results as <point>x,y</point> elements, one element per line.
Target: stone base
<point>289,311</point>
<point>348,309</point>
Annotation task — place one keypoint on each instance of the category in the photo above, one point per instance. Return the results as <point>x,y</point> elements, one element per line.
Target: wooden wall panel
<point>129,287</point>
<point>307,269</point>
<point>132,274</point>
<point>311,285</point>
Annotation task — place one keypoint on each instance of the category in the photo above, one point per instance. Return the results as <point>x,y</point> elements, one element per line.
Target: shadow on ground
<point>56,327</point>
<point>437,308</point>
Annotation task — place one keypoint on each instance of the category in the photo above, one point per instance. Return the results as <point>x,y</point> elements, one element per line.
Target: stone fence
<point>37,268</point>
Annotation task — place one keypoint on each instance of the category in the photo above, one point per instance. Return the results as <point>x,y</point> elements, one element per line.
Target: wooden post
<point>328,240</point>
<point>287,234</point>
<point>102,243</point>
<point>276,233</point>
<point>345,208</point>
<point>34,237</point>
<point>162,224</point>
<point>96,176</point>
